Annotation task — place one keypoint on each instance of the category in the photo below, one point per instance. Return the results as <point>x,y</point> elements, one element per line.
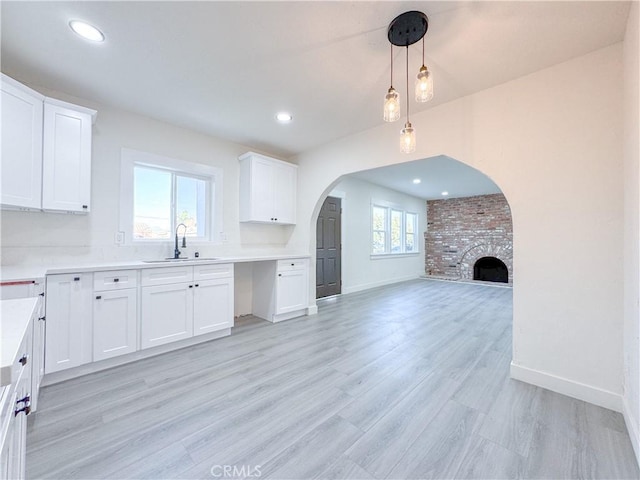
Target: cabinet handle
<point>276,219</point>
<point>116,280</point>
<point>26,410</point>
<point>293,264</point>
<point>41,294</point>
<point>26,399</point>
<point>197,284</point>
<point>98,297</point>
<point>24,359</point>
<point>190,286</point>
<point>42,319</point>
<point>279,274</point>
<point>76,279</point>
<point>85,206</point>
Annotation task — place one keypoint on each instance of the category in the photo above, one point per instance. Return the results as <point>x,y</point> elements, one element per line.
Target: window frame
<point>212,175</point>
<point>404,213</point>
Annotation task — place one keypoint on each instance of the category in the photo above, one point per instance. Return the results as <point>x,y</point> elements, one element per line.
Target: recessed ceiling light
<point>444,194</point>
<point>86,31</point>
<point>284,117</point>
<point>416,181</point>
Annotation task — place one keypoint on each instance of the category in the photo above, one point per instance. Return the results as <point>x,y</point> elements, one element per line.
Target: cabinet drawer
<point>209,272</point>
<point>166,275</point>
<point>115,280</point>
<point>293,264</point>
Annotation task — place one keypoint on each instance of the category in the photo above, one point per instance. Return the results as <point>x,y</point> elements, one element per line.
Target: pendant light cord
<point>391,57</point>
<point>423,51</point>
<point>407,47</point>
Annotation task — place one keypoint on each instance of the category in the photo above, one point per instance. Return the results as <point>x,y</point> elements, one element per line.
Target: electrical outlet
<point>119,238</point>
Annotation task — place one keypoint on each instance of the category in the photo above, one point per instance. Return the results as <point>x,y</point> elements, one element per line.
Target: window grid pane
<point>190,204</point>
<point>396,231</point>
<point>152,203</point>
<point>410,232</point>
<point>379,221</point>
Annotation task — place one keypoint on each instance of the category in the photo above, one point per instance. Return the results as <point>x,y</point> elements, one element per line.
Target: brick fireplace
<point>469,237</point>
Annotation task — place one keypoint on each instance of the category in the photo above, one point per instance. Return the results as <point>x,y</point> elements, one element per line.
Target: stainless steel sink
<point>181,260</point>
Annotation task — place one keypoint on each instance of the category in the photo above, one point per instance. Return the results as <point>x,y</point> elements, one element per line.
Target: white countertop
<point>15,316</point>
<point>15,273</point>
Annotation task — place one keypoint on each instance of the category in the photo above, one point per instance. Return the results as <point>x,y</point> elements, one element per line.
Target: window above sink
<point>158,193</point>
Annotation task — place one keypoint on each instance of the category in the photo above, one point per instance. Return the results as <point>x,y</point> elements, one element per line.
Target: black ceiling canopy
<point>407,28</point>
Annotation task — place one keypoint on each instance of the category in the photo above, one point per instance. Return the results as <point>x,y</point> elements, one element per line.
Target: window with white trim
<point>393,230</point>
<point>160,193</point>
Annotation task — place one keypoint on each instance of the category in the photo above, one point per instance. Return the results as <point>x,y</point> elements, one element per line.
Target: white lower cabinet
<point>280,289</point>
<point>166,314</point>
<point>29,289</point>
<point>174,311</point>
<point>69,337</point>
<point>291,291</point>
<point>15,405</point>
<point>115,323</point>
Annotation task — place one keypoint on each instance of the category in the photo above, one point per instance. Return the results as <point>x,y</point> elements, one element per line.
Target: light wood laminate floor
<point>405,381</point>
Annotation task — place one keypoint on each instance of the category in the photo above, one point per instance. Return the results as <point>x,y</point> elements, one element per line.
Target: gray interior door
<point>328,279</point>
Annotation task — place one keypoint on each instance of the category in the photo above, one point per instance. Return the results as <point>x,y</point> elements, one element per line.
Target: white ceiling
<point>436,175</point>
<point>225,68</point>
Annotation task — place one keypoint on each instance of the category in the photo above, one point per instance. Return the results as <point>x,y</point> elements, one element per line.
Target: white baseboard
<point>632,428</point>
<point>312,309</point>
<point>581,391</point>
<point>387,281</point>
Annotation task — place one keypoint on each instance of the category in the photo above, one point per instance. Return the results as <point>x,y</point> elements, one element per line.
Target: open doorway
<point>328,248</point>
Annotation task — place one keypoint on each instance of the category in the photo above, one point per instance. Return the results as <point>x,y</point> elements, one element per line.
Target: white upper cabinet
<point>21,146</point>
<point>66,157</point>
<point>46,151</point>
<point>267,190</point>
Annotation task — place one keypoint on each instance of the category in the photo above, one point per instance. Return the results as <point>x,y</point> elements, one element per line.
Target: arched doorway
<point>483,229</point>
<point>490,269</point>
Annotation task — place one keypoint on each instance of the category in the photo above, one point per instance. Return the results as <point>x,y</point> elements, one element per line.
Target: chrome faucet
<point>176,252</point>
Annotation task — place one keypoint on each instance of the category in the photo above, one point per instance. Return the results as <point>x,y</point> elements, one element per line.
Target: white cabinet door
<point>114,323</point>
<point>291,291</point>
<point>68,325</point>
<point>285,185</point>
<point>262,191</point>
<point>66,174</point>
<point>21,146</point>
<point>212,305</point>
<point>167,314</point>
<point>14,447</point>
<point>37,366</point>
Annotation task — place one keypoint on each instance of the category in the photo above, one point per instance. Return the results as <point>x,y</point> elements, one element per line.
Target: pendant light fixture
<point>424,82</point>
<point>391,101</point>
<point>407,29</point>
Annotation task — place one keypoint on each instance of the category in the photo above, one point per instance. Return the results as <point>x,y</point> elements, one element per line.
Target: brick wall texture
<point>462,230</point>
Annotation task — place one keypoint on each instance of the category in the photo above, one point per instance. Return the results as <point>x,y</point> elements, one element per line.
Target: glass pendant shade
<point>407,138</point>
<point>424,85</point>
<point>391,106</point>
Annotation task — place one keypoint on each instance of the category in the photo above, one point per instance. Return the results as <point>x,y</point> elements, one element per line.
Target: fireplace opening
<point>490,269</point>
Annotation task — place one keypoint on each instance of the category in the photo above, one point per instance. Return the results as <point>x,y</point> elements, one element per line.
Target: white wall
<point>552,141</point>
<point>359,270</point>
<point>48,239</point>
<point>631,153</point>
